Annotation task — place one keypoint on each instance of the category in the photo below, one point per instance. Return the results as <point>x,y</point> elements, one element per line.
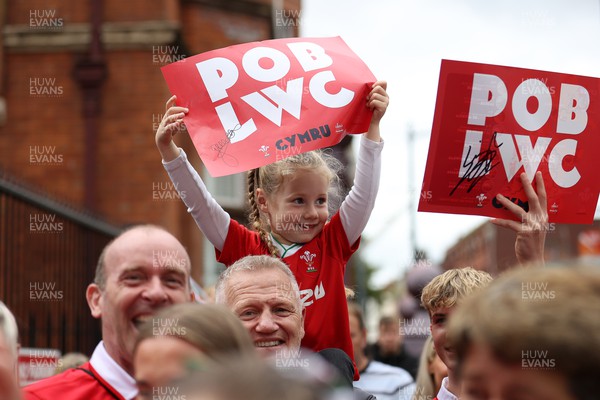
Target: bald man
<point>142,270</point>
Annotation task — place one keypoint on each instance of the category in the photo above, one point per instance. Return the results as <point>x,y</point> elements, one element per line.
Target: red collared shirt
<point>99,379</point>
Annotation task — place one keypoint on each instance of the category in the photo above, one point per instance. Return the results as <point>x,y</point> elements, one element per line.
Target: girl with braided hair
<point>289,217</point>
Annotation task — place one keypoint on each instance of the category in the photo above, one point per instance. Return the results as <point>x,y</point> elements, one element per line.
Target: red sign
<point>492,123</point>
<point>257,103</point>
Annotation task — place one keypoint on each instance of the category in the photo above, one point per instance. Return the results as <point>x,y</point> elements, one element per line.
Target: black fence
<point>48,254</point>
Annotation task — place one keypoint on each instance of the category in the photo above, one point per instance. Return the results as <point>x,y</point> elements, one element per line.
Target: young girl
<point>289,215</point>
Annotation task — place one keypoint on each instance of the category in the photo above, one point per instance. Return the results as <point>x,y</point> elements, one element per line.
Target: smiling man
<point>263,293</point>
<point>142,270</point>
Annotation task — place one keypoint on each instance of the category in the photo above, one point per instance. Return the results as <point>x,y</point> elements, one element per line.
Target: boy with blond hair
<point>440,298</point>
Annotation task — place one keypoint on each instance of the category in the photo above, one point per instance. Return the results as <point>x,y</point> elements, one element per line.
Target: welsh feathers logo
<point>264,149</point>
<point>480,198</point>
<point>309,257</point>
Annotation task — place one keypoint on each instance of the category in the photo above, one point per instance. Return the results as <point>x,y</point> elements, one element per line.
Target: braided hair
<point>256,221</point>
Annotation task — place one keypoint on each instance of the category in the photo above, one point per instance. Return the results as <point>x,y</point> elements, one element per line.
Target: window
<point>229,191</point>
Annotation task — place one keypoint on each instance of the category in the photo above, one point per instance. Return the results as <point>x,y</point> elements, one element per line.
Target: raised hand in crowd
<point>533,225</point>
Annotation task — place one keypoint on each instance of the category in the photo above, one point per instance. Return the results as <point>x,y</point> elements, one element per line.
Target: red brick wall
<point>74,11</point>
<point>34,122</point>
<point>19,12</point>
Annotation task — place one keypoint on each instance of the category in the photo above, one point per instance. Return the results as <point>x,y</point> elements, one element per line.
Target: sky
<point>403,42</point>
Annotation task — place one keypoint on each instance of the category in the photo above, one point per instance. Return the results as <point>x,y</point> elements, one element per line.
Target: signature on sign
<point>221,148</point>
<point>479,165</point>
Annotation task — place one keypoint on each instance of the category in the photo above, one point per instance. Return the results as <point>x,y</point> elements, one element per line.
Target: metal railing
<point>48,255</point>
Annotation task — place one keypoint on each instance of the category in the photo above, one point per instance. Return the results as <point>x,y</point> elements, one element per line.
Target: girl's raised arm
<point>212,220</point>
<point>358,205</point>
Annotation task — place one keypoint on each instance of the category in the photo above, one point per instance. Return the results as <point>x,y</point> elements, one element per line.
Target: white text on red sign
<point>489,97</point>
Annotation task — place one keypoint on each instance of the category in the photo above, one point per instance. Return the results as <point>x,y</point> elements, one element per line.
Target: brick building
<point>492,249</point>
<point>81,95</point>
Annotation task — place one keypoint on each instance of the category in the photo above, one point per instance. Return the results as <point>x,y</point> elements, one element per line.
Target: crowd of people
<point>263,339</point>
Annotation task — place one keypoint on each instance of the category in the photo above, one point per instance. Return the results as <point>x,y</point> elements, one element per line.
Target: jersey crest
<point>308,257</point>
